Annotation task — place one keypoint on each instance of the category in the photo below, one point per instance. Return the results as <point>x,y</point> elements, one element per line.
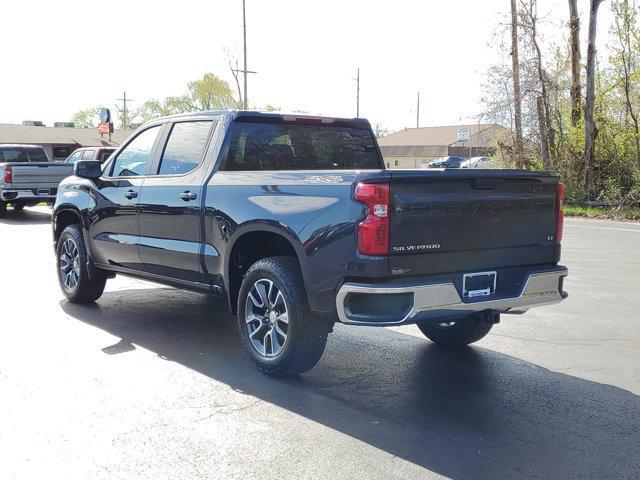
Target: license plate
<point>44,191</point>
<point>478,284</point>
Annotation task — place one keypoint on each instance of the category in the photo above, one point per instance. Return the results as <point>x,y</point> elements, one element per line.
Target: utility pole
<point>244,38</point>
<point>358,94</point>
<point>124,111</point>
<point>245,101</point>
<point>418,112</point>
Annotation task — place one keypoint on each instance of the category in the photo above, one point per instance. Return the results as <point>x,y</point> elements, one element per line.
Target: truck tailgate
<point>39,175</point>
<point>469,220</point>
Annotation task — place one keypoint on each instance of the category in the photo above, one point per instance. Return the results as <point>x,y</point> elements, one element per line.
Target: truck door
<point>171,239</point>
<point>114,229</point>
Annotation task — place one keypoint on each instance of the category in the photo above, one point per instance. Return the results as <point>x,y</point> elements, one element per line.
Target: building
<point>59,141</point>
<point>412,147</point>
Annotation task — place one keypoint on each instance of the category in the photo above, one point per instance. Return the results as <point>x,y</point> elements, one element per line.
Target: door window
<point>185,147</point>
<point>133,159</point>
<point>75,156</point>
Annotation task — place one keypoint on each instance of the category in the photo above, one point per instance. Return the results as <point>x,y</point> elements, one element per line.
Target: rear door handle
<point>187,196</point>
<point>131,194</point>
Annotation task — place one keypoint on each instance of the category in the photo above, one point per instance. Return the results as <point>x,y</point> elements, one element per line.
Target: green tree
<point>87,118</point>
<point>209,93</point>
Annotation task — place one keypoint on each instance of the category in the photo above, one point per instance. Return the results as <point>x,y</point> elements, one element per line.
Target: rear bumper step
<point>393,304</point>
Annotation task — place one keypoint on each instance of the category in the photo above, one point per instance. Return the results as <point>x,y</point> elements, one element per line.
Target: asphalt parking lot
<point>152,383</point>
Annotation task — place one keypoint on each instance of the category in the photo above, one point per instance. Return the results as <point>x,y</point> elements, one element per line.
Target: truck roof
<point>19,145</point>
<point>248,115</point>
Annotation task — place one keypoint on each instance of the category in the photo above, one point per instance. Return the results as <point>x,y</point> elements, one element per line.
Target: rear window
<point>104,154</point>
<point>273,146</point>
<point>22,154</point>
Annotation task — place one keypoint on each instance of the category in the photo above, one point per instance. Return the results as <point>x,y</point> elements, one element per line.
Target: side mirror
<point>91,169</point>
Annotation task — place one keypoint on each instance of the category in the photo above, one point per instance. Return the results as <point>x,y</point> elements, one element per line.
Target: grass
<point>614,213</point>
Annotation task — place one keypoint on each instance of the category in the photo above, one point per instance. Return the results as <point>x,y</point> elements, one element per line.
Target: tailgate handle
<point>484,184</point>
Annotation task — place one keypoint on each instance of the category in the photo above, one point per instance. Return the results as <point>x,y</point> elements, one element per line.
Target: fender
<point>270,226</point>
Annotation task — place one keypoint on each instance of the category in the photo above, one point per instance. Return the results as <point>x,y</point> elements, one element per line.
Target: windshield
<point>22,154</point>
<point>275,146</point>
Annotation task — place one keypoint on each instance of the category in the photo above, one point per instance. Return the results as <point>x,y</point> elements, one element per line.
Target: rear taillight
<point>7,174</point>
<point>373,231</point>
<point>560,213</point>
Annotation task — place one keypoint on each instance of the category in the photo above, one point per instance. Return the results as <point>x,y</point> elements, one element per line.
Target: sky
<point>63,56</point>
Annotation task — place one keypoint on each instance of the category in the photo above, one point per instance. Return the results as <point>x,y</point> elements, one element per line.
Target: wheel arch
<point>254,242</point>
<point>64,216</point>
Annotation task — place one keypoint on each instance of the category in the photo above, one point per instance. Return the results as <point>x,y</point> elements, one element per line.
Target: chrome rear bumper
<point>437,300</point>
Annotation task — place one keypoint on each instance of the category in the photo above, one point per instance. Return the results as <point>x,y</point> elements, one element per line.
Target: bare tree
<point>232,60</point>
<point>624,27</point>
<point>574,40</point>
<point>517,96</point>
<point>591,131</point>
<point>529,20</point>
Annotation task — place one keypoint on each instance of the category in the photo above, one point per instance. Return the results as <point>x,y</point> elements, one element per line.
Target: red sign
<point>105,128</point>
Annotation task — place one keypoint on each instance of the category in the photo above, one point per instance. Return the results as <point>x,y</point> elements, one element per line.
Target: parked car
<point>476,162</point>
<point>295,221</point>
<point>445,162</point>
<point>90,153</point>
<point>28,176</point>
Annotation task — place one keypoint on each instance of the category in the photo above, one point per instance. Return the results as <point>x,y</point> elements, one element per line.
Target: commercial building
<point>412,147</point>
<point>61,140</point>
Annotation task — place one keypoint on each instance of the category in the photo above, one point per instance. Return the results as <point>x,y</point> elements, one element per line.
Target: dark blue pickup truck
<point>296,222</point>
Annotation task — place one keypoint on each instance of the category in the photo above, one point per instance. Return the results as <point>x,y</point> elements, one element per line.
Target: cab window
<point>185,147</point>
<point>133,159</point>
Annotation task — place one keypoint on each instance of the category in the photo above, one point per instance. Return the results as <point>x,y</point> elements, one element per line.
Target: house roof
<point>445,135</point>
<point>86,137</point>
<point>434,141</point>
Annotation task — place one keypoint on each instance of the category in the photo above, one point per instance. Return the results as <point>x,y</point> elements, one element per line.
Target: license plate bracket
<point>479,284</point>
<point>44,191</point>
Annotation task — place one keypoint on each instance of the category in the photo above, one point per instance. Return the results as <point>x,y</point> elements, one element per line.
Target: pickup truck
<point>28,176</point>
<point>295,221</point>
<point>90,153</point>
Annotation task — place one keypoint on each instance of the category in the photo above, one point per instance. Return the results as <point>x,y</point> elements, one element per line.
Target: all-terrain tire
<point>86,288</point>
<point>461,333</point>
<point>306,334</point>
<point>3,209</point>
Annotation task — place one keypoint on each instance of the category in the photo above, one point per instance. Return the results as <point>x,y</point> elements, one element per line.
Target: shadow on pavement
<point>25,217</point>
<point>475,413</point>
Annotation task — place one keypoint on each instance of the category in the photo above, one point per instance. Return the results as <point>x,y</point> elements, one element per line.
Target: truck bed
<point>32,176</point>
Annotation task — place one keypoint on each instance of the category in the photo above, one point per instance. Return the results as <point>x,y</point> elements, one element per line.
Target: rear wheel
<point>73,275</point>
<point>3,208</point>
<point>278,331</point>
<point>18,207</point>
<point>457,333</point>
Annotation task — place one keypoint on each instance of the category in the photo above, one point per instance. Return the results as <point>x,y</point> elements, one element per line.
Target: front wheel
<point>458,333</point>
<point>73,275</point>
<point>276,326</point>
